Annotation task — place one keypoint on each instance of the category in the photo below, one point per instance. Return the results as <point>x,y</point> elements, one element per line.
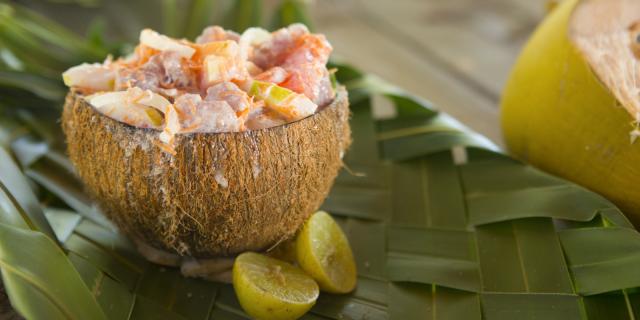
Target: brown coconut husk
<point>221,193</point>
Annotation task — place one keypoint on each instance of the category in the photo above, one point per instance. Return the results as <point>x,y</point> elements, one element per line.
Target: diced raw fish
<point>187,107</point>
<point>147,77</point>
<point>275,75</point>
<point>309,48</point>
<point>260,120</point>
<point>303,57</point>
<point>229,92</point>
<point>325,92</point>
<point>176,74</point>
<point>197,115</point>
<point>292,45</point>
<point>222,62</point>
<point>164,70</point>
<point>215,33</point>
<point>273,52</point>
<point>311,80</point>
<point>217,116</point>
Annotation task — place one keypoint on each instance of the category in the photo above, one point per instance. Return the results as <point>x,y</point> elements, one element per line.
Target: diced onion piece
<point>118,105</point>
<point>226,48</point>
<point>100,100</point>
<point>152,99</point>
<point>221,62</point>
<point>252,68</point>
<point>133,95</point>
<point>140,108</point>
<point>134,106</point>
<point>90,76</point>
<point>289,104</point>
<point>161,42</point>
<point>215,67</point>
<point>250,38</point>
<point>155,116</point>
<point>172,125</point>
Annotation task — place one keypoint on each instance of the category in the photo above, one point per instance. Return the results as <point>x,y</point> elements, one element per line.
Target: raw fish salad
<point>222,82</point>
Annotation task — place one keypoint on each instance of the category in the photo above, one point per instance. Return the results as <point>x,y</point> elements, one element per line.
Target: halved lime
<point>323,251</point>
<point>268,288</point>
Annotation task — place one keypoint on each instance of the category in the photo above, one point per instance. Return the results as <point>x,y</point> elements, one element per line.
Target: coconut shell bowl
<point>220,194</point>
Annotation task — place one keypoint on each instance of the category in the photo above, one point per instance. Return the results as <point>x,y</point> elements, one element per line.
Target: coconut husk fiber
<point>221,193</point>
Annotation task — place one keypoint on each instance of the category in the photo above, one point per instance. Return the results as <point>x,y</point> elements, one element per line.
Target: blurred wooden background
<point>455,53</point>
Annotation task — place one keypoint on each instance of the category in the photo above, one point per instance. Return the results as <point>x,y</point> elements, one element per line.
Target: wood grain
<point>455,53</point>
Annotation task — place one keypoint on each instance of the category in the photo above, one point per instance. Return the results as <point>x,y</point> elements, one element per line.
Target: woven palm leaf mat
<point>442,225</point>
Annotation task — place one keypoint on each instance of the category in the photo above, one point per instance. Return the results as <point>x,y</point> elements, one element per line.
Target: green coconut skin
<point>558,116</point>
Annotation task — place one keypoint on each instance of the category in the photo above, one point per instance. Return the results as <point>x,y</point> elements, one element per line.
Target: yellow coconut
<point>571,105</point>
<point>221,193</point>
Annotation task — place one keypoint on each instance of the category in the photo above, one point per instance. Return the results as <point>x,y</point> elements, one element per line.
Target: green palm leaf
<point>290,11</point>
<point>21,205</point>
<point>42,87</point>
<point>200,14</point>
<point>55,291</point>
<point>244,14</point>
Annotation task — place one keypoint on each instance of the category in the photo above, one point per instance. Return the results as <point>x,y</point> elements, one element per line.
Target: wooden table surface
<point>455,53</point>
